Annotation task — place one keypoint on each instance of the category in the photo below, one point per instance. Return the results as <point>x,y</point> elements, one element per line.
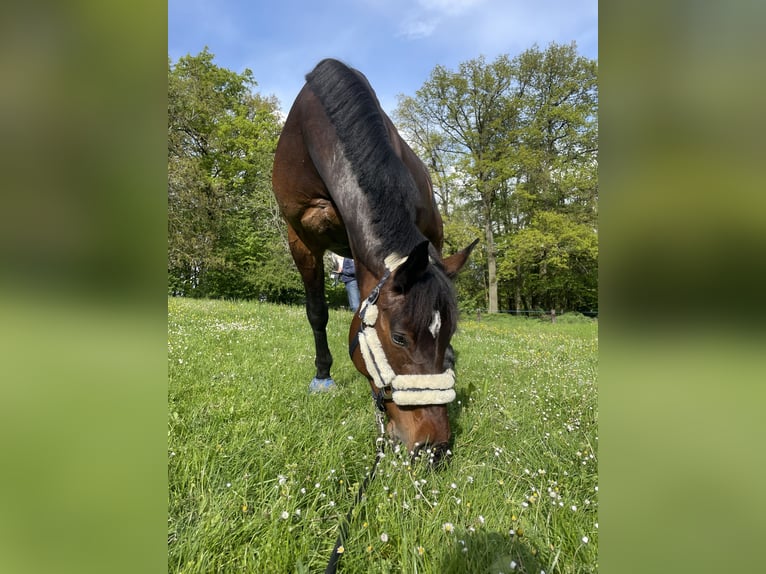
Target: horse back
<point>317,188</point>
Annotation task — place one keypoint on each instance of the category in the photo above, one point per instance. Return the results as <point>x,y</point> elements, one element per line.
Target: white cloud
<point>424,17</point>
<point>416,29</point>
<point>449,7</point>
<point>495,26</point>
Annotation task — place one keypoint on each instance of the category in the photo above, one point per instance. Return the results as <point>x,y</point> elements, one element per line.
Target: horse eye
<point>399,339</point>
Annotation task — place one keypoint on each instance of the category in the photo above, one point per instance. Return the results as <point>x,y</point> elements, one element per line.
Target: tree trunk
<point>491,266</point>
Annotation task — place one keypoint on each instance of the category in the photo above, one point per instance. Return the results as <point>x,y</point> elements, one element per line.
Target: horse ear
<point>454,263</point>
<point>410,271</point>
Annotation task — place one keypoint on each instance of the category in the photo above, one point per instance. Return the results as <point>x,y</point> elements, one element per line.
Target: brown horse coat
<point>346,181</point>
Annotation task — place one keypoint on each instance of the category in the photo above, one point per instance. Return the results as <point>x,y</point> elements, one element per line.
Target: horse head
<point>403,329</point>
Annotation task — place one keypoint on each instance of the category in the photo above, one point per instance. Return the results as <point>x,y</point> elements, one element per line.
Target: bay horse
<point>346,181</point>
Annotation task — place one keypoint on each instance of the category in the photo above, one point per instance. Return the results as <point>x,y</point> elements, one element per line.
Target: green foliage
<point>556,258</point>
<point>225,235</point>
<point>573,317</point>
<point>458,233</point>
<point>260,473</point>
<point>508,140</point>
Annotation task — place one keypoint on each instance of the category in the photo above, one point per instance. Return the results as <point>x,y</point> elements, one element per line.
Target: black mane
<point>355,113</point>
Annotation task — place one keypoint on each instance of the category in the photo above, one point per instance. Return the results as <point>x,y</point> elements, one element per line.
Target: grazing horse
<point>346,181</point>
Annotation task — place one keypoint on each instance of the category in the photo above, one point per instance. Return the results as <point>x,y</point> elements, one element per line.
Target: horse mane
<point>354,111</point>
<point>434,291</point>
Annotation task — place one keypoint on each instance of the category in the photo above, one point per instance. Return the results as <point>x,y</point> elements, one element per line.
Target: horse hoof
<point>321,385</point>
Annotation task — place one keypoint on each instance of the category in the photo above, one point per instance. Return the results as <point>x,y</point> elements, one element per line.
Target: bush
<point>573,317</point>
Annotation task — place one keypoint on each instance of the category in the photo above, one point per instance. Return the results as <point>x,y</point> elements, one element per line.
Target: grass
<point>261,473</point>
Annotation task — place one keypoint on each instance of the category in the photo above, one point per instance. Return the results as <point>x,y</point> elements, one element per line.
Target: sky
<point>395,43</point>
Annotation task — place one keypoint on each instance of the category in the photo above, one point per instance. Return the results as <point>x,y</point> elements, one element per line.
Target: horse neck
<point>374,256</point>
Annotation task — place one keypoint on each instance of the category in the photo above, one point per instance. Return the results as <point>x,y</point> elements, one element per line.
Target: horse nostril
<point>434,454</point>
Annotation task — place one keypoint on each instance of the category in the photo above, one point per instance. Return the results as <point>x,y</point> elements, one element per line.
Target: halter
<point>405,390</point>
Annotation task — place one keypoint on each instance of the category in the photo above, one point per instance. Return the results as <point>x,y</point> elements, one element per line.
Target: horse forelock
<point>432,294</point>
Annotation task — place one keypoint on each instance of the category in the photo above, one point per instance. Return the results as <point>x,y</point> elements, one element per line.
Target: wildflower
<point>513,565</point>
<point>384,537</point>
<point>453,485</point>
<point>369,548</point>
<point>421,550</point>
<point>244,508</point>
<point>481,519</point>
<point>448,527</point>
<point>228,485</point>
<point>585,539</point>
<point>341,550</point>
<point>285,515</point>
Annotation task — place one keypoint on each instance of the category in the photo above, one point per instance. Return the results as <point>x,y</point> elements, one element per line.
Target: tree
<point>558,260</point>
<point>505,141</point>
<point>224,230</point>
<point>559,140</point>
<point>470,109</point>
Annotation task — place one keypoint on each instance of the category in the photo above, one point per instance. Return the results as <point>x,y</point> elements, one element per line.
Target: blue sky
<point>395,43</point>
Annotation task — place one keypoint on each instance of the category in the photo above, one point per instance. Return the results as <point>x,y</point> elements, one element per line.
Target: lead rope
<point>332,565</point>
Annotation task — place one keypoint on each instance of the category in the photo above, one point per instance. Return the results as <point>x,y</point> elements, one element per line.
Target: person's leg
<point>352,289</point>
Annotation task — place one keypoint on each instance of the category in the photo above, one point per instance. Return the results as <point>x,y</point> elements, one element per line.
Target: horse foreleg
<point>311,268</point>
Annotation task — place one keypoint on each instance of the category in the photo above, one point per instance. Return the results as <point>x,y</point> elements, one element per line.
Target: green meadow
<point>261,473</point>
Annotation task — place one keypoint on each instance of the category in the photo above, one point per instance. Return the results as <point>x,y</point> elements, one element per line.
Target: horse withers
<point>346,181</point>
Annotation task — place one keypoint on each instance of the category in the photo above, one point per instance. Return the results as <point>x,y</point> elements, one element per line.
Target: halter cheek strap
<point>405,390</point>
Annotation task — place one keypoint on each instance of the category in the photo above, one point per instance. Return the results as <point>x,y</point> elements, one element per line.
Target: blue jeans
<point>352,290</point>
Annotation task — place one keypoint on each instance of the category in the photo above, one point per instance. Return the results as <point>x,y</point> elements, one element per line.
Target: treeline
<point>512,146</point>
<point>225,235</point>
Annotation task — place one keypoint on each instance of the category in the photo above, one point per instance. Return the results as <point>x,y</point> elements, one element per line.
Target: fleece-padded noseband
<point>405,390</point>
